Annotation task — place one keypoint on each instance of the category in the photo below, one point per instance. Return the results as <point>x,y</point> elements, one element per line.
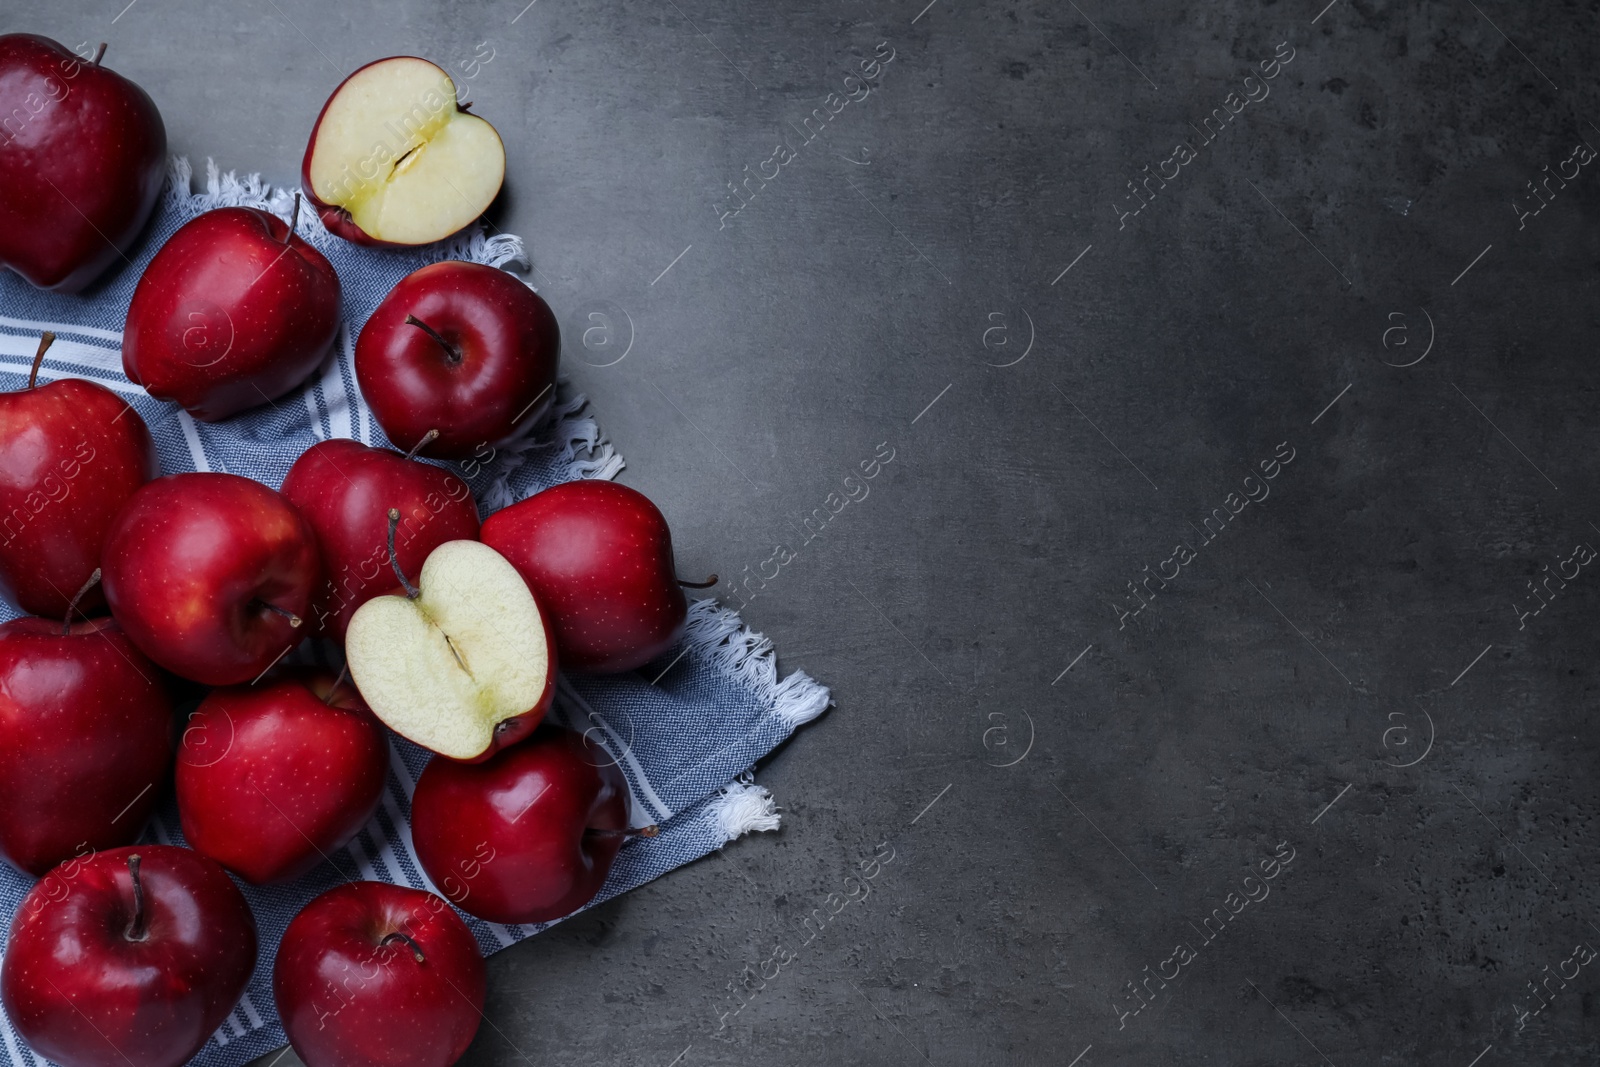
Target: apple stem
<point>135,930</point>
<point>707,584</point>
<point>643,831</point>
<point>99,53</point>
<point>46,339</point>
<point>416,949</point>
<point>294,620</point>
<point>452,354</point>
<point>294,219</point>
<point>427,439</point>
<point>394,561</point>
<point>72,608</point>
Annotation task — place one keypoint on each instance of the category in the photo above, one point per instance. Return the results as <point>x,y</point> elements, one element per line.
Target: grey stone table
<point>1216,653</point>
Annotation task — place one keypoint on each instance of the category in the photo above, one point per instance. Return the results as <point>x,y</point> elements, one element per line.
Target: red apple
<point>71,454</point>
<point>128,957</point>
<point>273,778</point>
<point>233,312</point>
<point>378,975</point>
<point>345,490</point>
<point>394,160</point>
<point>211,575</point>
<point>527,836</point>
<point>85,740</point>
<point>598,556</point>
<point>461,348</point>
<point>83,154</point>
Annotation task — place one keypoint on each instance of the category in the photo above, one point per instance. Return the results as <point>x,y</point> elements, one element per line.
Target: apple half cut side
<point>463,663</point>
<point>395,160</point>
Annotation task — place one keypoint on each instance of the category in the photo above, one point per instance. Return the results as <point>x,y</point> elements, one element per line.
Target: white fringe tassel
<point>717,634</point>
<point>585,452</point>
<point>740,808</point>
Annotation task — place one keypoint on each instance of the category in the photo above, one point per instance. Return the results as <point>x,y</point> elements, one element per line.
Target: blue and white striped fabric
<point>683,743</point>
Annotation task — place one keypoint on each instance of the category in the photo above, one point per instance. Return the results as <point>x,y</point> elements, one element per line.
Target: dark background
<point>1364,617</point>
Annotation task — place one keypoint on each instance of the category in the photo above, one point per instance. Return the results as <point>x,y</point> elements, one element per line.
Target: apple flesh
<point>83,154</point>
<point>380,975</point>
<point>273,778</point>
<point>233,312</point>
<point>85,740</point>
<point>344,489</point>
<point>71,454</point>
<point>211,575</point>
<point>598,555</point>
<point>130,956</point>
<point>463,349</point>
<point>527,836</point>
<point>394,160</point>
<point>463,662</point>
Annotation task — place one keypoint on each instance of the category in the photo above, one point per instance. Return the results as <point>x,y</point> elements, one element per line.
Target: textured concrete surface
<point>1349,674</point>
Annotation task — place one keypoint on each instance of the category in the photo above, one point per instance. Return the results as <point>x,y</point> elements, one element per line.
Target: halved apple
<point>394,160</point>
<point>464,662</point>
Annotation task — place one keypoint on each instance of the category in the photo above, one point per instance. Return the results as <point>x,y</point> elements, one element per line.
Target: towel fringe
<point>718,634</point>
<point>741,807</point>
<point>585,452</point>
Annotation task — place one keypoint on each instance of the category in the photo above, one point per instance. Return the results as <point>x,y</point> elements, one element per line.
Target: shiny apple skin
<point>598,556</point>
<point>508,839</point>
<point>272,779</point>
<point>510,347</point>
<point>86,726</point>
<point>84,995</point>
<point>348,1000</point>
<point>228,317</point>
<point>345,490</point>
<point>79,178</point>
<point>71,454</point>
<point>189,565</point>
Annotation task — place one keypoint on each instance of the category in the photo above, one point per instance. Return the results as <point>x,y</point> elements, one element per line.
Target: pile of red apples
<point>161,608</point>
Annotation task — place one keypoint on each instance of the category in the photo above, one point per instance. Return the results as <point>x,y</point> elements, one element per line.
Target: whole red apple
<point>526,836</point>
<point>127,957</point>
<point>598,556</point>
<point>211,575</point>
<point>461,348</point>
<point>378,975</point>
<point>345,490</point>
<point>85,740</point>
<point>71,454</point>
<point>233,312</point>
<point>273,778</point>
<point>83,153</point>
